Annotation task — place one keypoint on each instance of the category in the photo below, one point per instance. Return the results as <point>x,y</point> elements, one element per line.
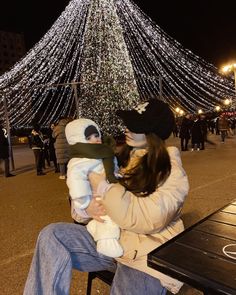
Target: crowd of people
<point>49,146</point>
<point>193,130</point>
<point>52,144</point>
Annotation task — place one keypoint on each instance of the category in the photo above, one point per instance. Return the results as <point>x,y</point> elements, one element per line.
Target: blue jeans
<point>63,246</point>
<point>223,134</point>
<point>62,168</point>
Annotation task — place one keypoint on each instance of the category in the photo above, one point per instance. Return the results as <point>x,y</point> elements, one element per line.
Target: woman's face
<point>137,140</point>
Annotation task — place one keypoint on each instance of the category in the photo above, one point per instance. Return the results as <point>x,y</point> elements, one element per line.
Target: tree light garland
<point>117,57</point>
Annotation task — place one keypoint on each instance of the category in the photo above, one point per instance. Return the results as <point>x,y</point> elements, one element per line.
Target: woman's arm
<point>152,213</point>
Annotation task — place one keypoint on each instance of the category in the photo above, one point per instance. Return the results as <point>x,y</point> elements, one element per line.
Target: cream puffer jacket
<point>146,223</point>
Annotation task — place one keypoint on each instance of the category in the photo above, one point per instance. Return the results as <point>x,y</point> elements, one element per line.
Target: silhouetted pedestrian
<point>4,151</point>
<point>196,134</point>
<point>51,148</point>
<point>223,127</point>
<point>37,146</point>
<point>184,132</point>
<point>61,146</point>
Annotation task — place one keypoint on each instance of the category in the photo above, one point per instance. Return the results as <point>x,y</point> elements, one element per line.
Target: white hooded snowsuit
<point>107,233</point>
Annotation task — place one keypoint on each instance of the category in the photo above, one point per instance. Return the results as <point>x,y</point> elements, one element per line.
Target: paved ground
<point>29,202</point>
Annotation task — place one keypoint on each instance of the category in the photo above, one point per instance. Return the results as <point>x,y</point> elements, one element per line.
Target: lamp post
<point>8,129</point>
<point>231,68</point>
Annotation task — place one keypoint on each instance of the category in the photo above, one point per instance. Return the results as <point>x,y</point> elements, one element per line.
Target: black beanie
<point>90,130</point>
<point>153,116</point>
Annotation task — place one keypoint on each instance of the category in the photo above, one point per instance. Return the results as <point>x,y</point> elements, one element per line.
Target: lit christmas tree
<point>106,69</point>
<point>116,56</point>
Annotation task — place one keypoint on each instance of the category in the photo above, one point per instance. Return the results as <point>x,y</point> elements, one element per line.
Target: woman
<point>146,205</point>
<point>61,146</point>
<point>185,132</point>
<point>4,151</point>
<point>51,147</point>
<point>37,146</point>
<point>196,134</point>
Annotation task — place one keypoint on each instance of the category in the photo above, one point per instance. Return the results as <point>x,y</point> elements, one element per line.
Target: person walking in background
<point>51,148</point>
<point>185,132</point>
<point>4,151</point>
<point>211,125</point>
<point>176,129</point>
<point>204,129</point>
<point>46,156</point>
<point>232,123</point>
<point>223,127</point>
<point>146,205</point>
<point>196,134</point>
<point>217,126</point>
<point>37,146</point>
<point>61,146</point>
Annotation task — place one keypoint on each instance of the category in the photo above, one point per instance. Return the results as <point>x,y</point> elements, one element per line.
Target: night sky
<point>206,27</point>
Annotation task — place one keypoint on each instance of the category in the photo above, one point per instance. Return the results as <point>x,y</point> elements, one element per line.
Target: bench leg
<point>105,276</point>
<point>91,276</point>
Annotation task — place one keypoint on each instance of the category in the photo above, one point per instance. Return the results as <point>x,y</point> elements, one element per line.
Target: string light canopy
<point>104,55</point>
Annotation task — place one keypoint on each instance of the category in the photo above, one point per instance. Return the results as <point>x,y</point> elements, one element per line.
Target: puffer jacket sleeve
<point>78,184</point>
<point>150,214</point>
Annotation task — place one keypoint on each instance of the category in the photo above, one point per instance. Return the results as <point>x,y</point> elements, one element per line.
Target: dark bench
<point>105,276</point>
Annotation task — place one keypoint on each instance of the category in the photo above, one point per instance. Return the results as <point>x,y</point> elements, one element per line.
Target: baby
<point>87,154</point>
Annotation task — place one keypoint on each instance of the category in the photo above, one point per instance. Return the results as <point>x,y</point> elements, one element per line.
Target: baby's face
<point>94,138</point>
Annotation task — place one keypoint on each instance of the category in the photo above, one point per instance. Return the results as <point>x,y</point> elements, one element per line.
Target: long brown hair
<point>151,171</point>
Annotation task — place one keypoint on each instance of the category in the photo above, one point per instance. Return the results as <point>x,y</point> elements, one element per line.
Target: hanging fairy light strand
<point>201,84</point>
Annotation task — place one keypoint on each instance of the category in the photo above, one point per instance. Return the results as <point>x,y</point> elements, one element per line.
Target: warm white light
<point>226,69</point>
<point>217,108</point>
<point>226,102</point>
<point>200,111</point>
<point>177,110</point>
<point>229,67</point>
<point>181,112</point>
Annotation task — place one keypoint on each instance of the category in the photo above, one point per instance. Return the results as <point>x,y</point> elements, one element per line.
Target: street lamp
<point>231,68</point>
<point>179,111</point>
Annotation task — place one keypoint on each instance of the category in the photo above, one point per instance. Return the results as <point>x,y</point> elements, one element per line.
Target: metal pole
<point>8,131</point>
<point>74,87</point>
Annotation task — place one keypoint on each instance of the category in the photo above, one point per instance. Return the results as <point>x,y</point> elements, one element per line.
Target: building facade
<point>12,49</point>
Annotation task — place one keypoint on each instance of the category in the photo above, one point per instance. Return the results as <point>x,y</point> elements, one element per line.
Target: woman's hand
<point>95,179</point>
<point>96,209</point>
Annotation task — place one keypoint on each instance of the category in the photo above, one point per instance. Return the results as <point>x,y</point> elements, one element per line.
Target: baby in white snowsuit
<point>88,154</point>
